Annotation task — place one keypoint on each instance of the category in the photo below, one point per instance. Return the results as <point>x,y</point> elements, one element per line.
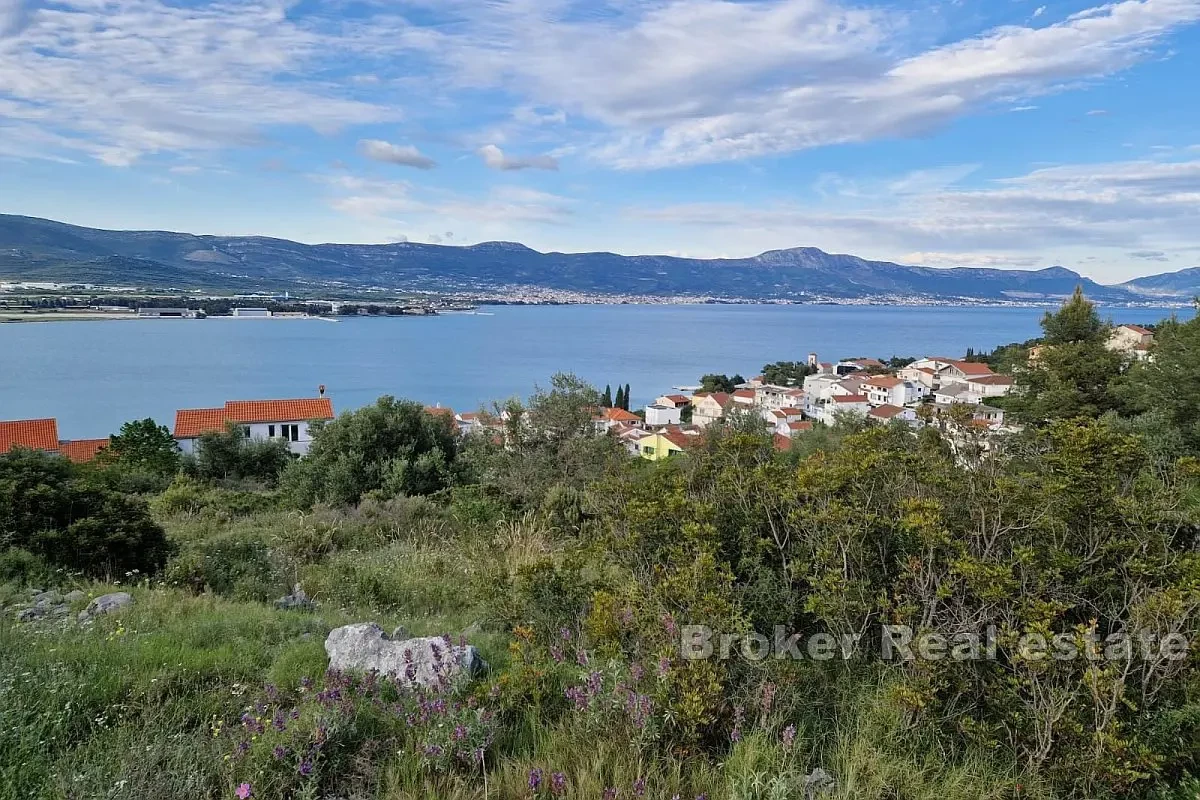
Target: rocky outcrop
<point>106,604</point>
<point>427,662</point>
<point>818,783</point>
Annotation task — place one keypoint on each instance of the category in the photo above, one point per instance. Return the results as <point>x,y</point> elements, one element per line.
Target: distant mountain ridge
<point>33,249</point>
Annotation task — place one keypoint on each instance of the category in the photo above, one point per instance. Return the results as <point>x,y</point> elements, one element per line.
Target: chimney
<point>321,390</point>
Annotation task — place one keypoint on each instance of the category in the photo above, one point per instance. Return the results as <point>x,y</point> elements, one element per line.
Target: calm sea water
<point>93,376</point>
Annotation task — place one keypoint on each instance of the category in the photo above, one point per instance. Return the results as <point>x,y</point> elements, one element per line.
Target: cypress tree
<point>620,402</point>
<point>626,398</point>
<point>607,399</point>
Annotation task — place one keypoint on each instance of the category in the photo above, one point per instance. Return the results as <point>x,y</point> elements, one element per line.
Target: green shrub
<point>236,564</point>
<point>52,508</point>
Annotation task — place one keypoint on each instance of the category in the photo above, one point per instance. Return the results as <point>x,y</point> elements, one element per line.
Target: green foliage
<point>143,445</point>
<point>1169,383</point>
<point>390,448</point>
<point>50,508</point>
<point>1074,371</point>
<point>786,373</point>
<point>232,455</point>
<point>720,383</point>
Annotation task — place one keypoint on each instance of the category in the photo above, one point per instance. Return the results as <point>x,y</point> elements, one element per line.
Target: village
<point>953,393</point>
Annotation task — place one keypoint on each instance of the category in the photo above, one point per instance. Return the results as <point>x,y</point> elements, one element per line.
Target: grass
<point>126,707</point>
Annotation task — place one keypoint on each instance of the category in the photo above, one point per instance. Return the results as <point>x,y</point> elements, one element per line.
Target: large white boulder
<point>423,661</point>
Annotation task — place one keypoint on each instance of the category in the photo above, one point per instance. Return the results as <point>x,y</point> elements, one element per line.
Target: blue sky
<point>1010,133</point>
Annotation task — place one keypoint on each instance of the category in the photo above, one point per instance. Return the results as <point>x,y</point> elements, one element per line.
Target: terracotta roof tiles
<point>35,434</point>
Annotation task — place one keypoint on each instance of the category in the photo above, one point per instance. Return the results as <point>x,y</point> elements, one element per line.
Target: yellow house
<point>664,444</point>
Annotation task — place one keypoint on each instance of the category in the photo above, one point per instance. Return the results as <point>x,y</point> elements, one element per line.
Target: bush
<point>50,508</point>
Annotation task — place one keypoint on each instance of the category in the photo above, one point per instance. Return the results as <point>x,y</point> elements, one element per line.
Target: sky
<point>997,133</point>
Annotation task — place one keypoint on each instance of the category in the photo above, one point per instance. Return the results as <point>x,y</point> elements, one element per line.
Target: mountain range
<point>33,249</point>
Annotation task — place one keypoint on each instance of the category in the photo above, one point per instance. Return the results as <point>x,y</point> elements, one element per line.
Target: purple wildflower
<point>581,657</point>
<point>668,622</point>
<point>639,787</point>
<point>280,752</point>
<point>558,784</point>
<point>788,736</point>
<point>305,769</point>
<point>535,779</point>
<point>664,666</point>
<point>609,794</point>
<point>244,791</point>
<point>738,716</point>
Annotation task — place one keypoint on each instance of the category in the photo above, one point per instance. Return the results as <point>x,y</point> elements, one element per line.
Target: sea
<point>95,375</point>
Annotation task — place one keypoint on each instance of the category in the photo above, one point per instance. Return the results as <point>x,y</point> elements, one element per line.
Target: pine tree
<point>620,401</point>
<point>606,399</point>
<point>625,398</point>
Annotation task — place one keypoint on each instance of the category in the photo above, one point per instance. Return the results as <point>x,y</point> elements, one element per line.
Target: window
<point>648,451</point>
<point>246,431</point>
<point>270,431</point>
<point>290,432</point>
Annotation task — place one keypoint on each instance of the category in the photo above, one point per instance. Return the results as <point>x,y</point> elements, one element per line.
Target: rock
<point>422,662</point>
<point>47,598</point>
<point>35,592</point>
<point>32,614</point>
<point>401,634</point>
<point>105,604</point>
<point>818,783</point>
<point>296,600</point>
<point>74,596</point>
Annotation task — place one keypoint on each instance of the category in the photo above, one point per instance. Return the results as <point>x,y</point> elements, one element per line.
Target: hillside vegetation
<point>577,571</point>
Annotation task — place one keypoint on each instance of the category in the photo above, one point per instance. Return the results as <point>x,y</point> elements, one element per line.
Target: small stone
<point>297,600</point>
<point>818,783</point>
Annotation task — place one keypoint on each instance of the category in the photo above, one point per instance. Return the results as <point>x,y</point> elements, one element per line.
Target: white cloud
<point>1113,208</point>
<point>495,158</point>
<point>1000,261</point>
<point>693,81</point>
<point>1039,11</point>
<point>402,155</point>
<point>120,80</point>
<point>14,15</point>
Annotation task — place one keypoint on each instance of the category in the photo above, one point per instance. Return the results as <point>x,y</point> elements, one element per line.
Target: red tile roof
<point>721,397</point>
<point>744,393</point>
<point>884,381</point>
<point>781,442</point>
<point>993,380</point>
<point>621,415</point>
<point>82,450</point>
<point>281,410</point>
<point>680,439</point>
<point>885,412</point>
<point>849,398</point>
<point>800,426</point>
<point>35,434</point>
<point>1138,329</point>
<point>192,422</point>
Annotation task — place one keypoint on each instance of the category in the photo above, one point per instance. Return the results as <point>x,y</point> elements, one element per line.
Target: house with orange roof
<point>82,451</point>
<point>856,405</point>
<point>42,434</point>
<point>669,442</point>
<point>962,371</point>
<point>673,400</point>
<point>31,434</point>
<point>288,420</point>
<point>886,413</point>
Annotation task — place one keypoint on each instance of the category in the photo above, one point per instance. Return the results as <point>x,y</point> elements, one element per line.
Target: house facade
<point>288,420</point>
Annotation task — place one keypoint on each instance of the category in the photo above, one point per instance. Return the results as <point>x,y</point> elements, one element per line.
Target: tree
<point>49,507</point>
<point>391,448</point>
<point>231,455</point>
<point>786,373</point>
<point>625,398</point>
<point>720,383</point>
<point>606,400</point>
<point>620,401</point>
<point>143,445</point>
<point>1169,383</point>
<point>1073,372</point>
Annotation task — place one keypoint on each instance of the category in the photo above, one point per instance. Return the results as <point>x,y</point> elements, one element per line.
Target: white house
<point>851,404</point>
<point>251,312</point>
<point>983,386</point>
<point>953,393</point>
<point>709,408</point>
<point>259,419</point>
<point>663,415</point>
<point>883,390</point>
<point>962,371</point>
<point>673,400</point>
